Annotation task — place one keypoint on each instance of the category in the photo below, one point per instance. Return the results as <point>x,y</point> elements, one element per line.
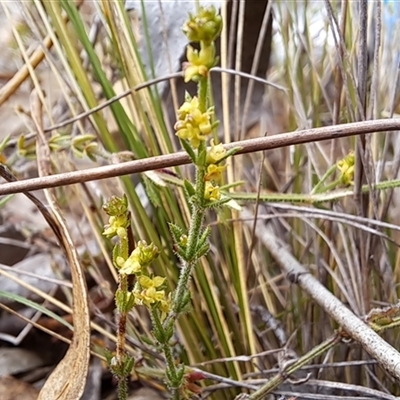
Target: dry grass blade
<point>67,381</point>
<point>19,78</point>
<point>34,60</point>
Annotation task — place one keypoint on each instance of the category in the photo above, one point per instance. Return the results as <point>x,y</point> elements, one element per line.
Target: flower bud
<point>204,26</point>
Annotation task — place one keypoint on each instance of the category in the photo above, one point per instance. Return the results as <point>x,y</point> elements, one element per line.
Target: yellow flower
<point>211,192</point>
<point>346,167</point>
<point>140,258</point>
<point>191,133</point>
<point>188,107</point>
<point>199,62</point>
<point>146,253</point>
<point>116,206</point>
<point>214,172</point>
<point>165,306</point>
<point>183,240</point>
<point>216,153</point>
<point>116,226</point>
<point>204,26</point>
<point>118,222</point>
<point>149,294</point>
<point>129,266</point>
<point>147,282</point>
<point>192,124</point>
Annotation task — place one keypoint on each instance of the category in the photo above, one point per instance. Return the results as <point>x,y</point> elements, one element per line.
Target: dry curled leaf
<point>67,381</point>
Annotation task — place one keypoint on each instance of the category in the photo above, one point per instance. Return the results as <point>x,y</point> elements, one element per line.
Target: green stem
<point>194,234</point>
<point>195,227</point>
<point>312,198</point>
<point>181,291</point>
<point>122,388</point>
<point>328,187</point>
<point>202,93</point>
<point>197,217</point>
<point>120,356</point>
<point>171,369</point>
<point>124,248</point>
<point>196,221</point>
<point>166,347</point>
<point>123,287</point>
<point>318,186</point>
<point>172,374</point>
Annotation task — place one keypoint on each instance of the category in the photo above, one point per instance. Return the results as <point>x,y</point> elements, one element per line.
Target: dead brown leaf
<point>68,380</point>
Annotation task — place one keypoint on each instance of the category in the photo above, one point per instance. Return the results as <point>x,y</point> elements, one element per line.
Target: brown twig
<point>181,158</point>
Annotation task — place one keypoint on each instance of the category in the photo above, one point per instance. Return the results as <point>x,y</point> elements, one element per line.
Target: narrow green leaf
<point>202,250</point>
<point>176,232</point>
<point>189,149</point>
<point>204,236</point>
<point>152,192</point>
<point>36,306</point>
<point>219,203</point>
<point>189,188</point>
<point>201,158</point>
<point>4,200</point>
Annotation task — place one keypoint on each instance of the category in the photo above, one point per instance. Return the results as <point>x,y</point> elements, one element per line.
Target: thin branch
<point>335,214</point>
<point>181,158</point>
<point>250,77</point>
<point>112,100</point>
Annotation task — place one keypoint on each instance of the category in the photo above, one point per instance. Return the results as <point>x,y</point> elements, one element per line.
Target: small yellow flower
<point>147,282</point>
<point>194,72</point>
<point>204,26</point>
<point>129,266</point>
<point>212,192</point>
<point>216,153</point>
<point>192,124</point>
<point>118,222</point>
<point>116,226</point>
<point>149,294</point>
<point>191,133</point>
<point>214,172</point>
<point>183,240</point>
<point>188,107</point>
<point>116,206</point>
<point>140,258</point>
<point>346,167</point>
<point>146,253</point>
<point>199,62</point>
<point>165,306</point>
